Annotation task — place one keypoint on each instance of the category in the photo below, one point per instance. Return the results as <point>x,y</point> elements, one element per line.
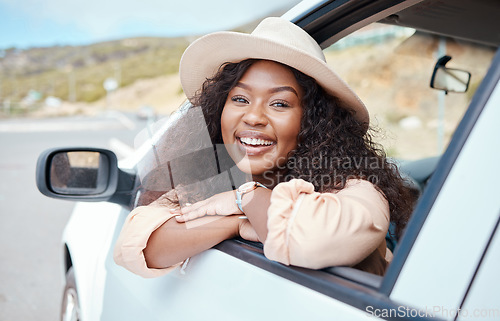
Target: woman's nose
<point>255,115</point>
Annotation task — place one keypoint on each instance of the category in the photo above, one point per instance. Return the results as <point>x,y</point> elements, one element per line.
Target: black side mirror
<point>448,79</point>
<point>83,174</point>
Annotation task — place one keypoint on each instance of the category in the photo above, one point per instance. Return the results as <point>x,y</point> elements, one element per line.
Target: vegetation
<point>77,73</point>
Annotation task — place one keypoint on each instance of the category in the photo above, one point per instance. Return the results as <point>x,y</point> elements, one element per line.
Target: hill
<point>77,73</point>
<point>73,76</point>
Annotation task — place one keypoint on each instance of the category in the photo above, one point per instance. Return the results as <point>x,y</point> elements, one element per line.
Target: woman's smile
<point>254,143</point>
<point>262,117</point>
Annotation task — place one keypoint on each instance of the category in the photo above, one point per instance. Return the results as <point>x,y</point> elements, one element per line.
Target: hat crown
<point>289,34</point>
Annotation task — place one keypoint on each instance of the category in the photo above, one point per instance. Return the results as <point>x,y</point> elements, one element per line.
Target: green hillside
<point>77,73</point>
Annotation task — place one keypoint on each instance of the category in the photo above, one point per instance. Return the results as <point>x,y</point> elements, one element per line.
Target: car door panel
<point>215,285</point>
<point>482,297</point>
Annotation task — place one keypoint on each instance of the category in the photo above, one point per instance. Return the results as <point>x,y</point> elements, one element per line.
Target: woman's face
<point>261,118</point>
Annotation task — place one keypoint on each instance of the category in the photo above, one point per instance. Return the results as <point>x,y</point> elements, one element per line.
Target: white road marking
<point>124,120</point>
<point>112,120</point>
<point>56,126</point>
<point>121,149</point>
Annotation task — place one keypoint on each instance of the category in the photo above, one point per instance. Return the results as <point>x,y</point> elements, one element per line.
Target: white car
<point>446,264</point>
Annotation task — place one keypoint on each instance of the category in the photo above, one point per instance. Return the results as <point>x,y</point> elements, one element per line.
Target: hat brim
<point>203,58</point>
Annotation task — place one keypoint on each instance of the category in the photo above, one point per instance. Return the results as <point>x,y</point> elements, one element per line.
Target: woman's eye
<point>280,103</point>
<point>239,99</point>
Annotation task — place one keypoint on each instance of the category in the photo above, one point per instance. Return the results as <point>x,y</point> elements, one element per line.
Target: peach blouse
<point>305,228</point>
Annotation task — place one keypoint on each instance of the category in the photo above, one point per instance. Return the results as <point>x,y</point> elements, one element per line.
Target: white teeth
<point>255,141</point>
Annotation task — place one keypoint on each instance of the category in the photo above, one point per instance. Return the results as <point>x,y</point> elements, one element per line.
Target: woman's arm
<point>255,205</point>
<point>301,227</point>
<point>152,243</point>
<point>316,230</point>
<point>174,242</point>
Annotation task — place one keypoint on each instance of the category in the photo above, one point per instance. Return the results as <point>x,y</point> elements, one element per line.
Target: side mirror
<point>79,172</point>
<point>83,174</point>
<point>448,79</point>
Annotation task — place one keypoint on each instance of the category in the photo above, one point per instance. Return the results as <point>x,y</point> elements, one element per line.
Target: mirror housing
<point>83,174</point>
<point>449,79</point>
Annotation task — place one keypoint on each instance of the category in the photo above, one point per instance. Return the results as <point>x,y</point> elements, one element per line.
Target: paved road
<point>31,224</point>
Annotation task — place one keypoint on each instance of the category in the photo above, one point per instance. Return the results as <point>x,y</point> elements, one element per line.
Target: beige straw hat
<point>273,39</point>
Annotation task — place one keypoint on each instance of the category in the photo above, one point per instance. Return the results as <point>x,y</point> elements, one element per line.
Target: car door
<point>480,301</point>
<point>455,221</point>
<point>434,264</point>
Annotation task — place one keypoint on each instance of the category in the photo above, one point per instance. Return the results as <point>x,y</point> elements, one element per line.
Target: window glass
<point>390,68</point>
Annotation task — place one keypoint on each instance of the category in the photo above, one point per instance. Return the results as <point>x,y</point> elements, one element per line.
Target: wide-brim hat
<point>273,39</point>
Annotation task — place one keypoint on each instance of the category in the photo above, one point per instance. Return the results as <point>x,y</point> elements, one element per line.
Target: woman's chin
<point>251,168</point>
<point>254,165</point>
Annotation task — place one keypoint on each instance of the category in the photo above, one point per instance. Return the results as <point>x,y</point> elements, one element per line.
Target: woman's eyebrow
<point>272,90</point>
<point>242,85</point>
<point>284,88</point>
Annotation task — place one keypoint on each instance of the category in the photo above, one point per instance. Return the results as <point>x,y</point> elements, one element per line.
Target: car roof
<point>471,20</point>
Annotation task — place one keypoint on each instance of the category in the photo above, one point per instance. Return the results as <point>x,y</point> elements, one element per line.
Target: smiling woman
<point>260,121</point>
<point>299,136</point>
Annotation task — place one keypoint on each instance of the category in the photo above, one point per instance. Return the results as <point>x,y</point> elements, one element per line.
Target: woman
<point>320,192</point>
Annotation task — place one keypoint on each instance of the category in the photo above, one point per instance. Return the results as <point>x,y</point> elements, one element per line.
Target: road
<point>31,224</point>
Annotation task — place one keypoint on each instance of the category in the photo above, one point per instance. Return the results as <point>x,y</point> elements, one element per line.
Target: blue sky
<point>40,23</point>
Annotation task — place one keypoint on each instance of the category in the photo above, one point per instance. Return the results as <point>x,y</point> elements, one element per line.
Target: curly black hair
<point>333,146</point>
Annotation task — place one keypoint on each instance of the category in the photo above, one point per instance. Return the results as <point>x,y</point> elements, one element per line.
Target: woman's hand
<point>220,204</point>
<point>247,231</point>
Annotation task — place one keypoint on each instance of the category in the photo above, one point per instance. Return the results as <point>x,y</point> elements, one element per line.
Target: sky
<point>43,23</point>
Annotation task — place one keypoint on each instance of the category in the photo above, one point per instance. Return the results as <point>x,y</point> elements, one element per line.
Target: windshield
<point>390,68</point>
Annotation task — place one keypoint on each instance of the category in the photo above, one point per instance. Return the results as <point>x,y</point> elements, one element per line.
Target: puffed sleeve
<point>138,227</point>
<point>317,230</point>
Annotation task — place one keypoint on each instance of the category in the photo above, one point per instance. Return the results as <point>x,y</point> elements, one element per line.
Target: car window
<point>390,67</point>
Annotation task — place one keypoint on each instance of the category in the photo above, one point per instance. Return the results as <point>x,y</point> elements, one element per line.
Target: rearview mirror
<point>448,79</point>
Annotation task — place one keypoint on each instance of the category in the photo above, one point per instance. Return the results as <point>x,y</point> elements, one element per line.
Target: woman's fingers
<point>191,215</point>
<point>188,207</point>
<point>220,204</point>
<point>247,231</point>
<point>197,210</point>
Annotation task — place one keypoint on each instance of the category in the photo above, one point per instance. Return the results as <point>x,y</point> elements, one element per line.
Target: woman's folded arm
<point>151,243</point>
<point>317,230</point>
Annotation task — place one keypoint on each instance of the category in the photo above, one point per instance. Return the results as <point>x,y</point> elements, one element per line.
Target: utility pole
<point>71,83</point>
<point>110,84</point>
<point>72,89</point>
<point>118,73</point>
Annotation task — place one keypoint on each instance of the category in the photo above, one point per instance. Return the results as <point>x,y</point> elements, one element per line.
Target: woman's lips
<point>254,143</point>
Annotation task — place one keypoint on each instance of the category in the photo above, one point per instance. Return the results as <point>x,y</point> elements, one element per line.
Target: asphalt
<point>31,225</point>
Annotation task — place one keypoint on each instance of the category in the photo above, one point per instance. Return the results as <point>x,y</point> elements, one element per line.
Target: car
<point>443,136</point>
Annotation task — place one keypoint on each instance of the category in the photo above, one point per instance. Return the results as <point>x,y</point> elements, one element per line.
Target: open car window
<point>389,67</point>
